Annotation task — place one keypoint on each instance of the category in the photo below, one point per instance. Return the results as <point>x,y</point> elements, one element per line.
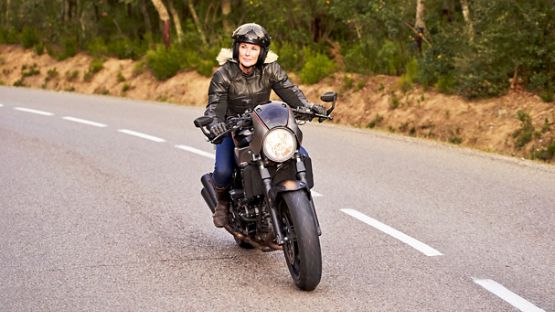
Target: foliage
<point>375,121</point>
<point>95,66</point>
<point>545,154</point>
<point>525,134</point>
<point>316,67</point>
<point>164,63</point>
<point>510,42</point>
<point>29,37</point>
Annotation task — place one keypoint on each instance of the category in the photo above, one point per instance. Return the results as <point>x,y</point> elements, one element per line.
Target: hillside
<point>518,124</point>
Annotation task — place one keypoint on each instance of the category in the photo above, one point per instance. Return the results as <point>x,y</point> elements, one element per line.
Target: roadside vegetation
<point>472,48</point>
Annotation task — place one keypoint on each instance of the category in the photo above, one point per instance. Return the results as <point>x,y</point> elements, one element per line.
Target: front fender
<point>287,186</point>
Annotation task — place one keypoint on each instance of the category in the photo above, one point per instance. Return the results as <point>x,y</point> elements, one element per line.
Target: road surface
<point>100,210</point>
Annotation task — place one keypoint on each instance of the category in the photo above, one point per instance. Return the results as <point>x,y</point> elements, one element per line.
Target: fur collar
<point>227,55</point>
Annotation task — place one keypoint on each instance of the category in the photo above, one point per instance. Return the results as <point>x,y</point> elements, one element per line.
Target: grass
<point>525,134</point>
<point>375,122</point>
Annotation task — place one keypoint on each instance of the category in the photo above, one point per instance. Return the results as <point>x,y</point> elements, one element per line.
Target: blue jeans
<point>225,162</point>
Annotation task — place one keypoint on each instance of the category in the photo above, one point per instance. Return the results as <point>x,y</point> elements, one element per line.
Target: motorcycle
<point>271,206</point>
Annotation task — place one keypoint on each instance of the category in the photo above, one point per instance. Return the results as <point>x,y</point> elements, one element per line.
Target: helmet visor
<point>251,29</point>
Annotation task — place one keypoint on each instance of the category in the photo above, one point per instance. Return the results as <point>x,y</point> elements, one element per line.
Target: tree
<point>226,11</point>
<point>466,16</point>
<point>146,17</point>
<point>420,25</point>
<point>197,22</point>
<point>176,21</point>
<point>164,18</point>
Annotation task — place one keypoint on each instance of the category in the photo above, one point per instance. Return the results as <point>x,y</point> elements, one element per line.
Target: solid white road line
<point>507,295</point>
<point>423,248</point>
<point>83,121</point>
<point>196,151</point>
<point>142,135</point>
<point>33,111</point>
<point>1,105</point>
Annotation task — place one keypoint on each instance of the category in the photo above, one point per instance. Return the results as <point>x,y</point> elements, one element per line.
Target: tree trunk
<point>7,20</point>
<point>420,25</point>
<point>226,11</point>
<point>448,10</point>
<point>197,21</point>
<point>466,15</point>
<point>165,18</point>
<point>146,17</point>
<point>176,21</point>
<point>81,14</point>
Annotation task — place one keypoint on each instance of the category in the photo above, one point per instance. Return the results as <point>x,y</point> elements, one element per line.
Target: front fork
<point>267,180</point>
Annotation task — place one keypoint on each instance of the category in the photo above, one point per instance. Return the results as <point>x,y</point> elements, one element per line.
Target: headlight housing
<point>279,145</point>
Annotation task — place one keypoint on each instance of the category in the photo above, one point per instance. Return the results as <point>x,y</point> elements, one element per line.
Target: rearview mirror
<point>329,96</point>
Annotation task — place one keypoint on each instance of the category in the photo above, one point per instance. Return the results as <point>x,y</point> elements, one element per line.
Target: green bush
<point>390,60</point>
<point>29,37</point>
<point>545,154</point>
<point>7,36</point>
<point>68,48</point>
<point>95,66</point>
<point>526,132</point>
<point>316,67</point>
<point>290,56</point>
<point>39,48</point>
<point>97,47</point>
<point>124,48</point>
<point>407,80</point>
<point>477,83</point>
<point>359,57</point>
<point>72,75</point>
<point>437,63</point>
<point>52,73</point>
<point>165,63</point>
<point>205,67</point>
<point>28,71</point>
<point>375,121</point>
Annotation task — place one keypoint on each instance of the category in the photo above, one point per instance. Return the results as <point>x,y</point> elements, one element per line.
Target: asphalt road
<point>100,211</point>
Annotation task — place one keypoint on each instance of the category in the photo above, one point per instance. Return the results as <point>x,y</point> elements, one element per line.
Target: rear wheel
<point>302,247</point>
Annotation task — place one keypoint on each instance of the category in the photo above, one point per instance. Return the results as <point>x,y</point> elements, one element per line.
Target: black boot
<point>220,214</point>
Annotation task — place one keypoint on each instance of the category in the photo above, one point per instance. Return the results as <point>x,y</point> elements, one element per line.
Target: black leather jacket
<point>231,91</point>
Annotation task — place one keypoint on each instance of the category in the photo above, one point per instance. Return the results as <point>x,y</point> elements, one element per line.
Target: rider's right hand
<point>218,128</point>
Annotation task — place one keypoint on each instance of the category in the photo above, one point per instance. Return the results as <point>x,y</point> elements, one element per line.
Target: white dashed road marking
<point>315,194</point>
<point>507,295</point>
<point>142,135</point>
<point>85,122</point>
<point>423,248</point>
<point>196,151</point>
<point>1,105</point>
<point>33,111</point>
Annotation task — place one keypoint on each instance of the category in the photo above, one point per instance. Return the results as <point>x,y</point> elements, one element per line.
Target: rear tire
<point>302,249</point>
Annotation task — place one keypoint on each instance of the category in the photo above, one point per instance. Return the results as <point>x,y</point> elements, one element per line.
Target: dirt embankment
<point>517,124</point>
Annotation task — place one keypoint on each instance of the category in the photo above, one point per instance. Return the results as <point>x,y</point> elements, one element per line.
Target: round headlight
<point>279,145</point>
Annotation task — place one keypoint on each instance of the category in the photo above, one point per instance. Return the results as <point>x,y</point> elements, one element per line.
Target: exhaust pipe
<point>208,192</point>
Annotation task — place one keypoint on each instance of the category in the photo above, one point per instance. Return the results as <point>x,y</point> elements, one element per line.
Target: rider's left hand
<point>318,109</point>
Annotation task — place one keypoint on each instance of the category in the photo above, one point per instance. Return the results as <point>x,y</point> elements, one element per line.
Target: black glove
<point>318,109</point>
<point>218,128</point>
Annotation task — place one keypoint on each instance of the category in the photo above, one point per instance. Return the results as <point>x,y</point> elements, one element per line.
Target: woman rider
<point>245,79</point>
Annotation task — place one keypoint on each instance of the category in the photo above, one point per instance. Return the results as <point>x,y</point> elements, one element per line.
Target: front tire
<point>302,247</point>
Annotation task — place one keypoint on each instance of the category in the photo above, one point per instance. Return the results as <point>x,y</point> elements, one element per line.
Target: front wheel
<point>302,246</point>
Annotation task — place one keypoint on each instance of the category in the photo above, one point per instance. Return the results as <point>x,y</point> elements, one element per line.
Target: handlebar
<point>235,122</point>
